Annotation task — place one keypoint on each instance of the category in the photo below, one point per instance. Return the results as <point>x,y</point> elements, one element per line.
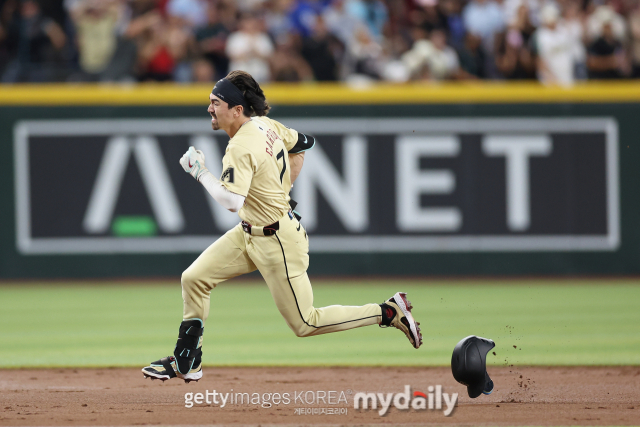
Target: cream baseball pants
<point>282,259</point>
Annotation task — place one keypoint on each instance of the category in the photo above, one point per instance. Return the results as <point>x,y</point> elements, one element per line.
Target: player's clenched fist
<point>193,163</point>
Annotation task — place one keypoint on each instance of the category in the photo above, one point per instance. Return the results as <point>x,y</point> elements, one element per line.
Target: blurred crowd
<point>555,41</point>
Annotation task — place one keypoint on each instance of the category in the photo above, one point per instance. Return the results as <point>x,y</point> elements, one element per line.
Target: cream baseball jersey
<point>256,165</point>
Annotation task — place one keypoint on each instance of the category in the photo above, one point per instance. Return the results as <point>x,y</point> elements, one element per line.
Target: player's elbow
<point>236,206</point>
<point>233,202</point>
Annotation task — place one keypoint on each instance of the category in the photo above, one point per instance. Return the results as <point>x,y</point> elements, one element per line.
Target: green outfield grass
<point>542,322</point>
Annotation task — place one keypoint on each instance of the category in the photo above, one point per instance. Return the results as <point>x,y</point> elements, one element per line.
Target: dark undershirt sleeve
<point>305,142</point>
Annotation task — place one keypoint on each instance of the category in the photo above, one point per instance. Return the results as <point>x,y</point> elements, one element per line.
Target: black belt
<point>255,230</point>
<point>270,230</point>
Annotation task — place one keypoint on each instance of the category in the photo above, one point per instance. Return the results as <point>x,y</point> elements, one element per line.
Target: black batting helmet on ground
<point>469,365</point>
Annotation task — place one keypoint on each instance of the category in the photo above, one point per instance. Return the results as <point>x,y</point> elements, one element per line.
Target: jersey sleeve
<point>238,167</point>
<point>294,141</point>
<point>289,136</point>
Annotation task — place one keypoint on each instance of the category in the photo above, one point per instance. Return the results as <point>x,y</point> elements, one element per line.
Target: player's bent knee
<point>188,279</point>
<point>302,330</point>
<point>301,333</point>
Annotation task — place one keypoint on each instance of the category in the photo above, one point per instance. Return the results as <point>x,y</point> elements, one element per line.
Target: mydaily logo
<point>432,400</point>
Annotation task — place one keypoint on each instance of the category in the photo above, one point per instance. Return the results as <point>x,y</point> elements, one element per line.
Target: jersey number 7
<point>284,163</point>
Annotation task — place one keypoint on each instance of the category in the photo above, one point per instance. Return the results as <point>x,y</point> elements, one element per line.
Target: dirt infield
<point>523,396</point>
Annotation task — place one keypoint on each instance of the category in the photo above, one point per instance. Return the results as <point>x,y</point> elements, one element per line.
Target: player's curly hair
<point>252,92</point>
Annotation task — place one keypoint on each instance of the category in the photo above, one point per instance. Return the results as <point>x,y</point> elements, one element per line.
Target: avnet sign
<point>371,185</point>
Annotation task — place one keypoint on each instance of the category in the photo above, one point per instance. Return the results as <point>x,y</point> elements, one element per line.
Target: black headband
<point>230,94</point>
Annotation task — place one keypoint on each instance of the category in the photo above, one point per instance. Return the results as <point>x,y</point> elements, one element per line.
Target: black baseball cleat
<point>165,369</point>
<point>396,312</point>
<point>186,362</point>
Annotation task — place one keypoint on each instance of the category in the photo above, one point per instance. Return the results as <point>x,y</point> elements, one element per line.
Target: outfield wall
<point>449,179</point>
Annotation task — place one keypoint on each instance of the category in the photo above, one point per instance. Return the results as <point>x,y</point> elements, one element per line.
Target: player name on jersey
<point>383,185</point>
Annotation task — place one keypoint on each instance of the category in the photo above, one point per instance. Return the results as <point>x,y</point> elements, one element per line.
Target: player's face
<point>223,117</point>
<point>219,111</point>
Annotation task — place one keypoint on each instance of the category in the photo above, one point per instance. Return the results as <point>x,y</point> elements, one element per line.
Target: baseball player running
<point>261,161</point>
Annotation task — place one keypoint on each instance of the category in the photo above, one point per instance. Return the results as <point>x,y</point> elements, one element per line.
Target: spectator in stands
<point>286,63</point>
<point>634,26</point>
<point>511,9</point>
<point>373,13</point>
<point>193,11</point>
<point>96,35</point>
<point>605,56</point>
<point>452,11</point>
<point>35,41</point>
<point>322,51</point>
<point>574,22</point>
<point>212,40</point>
<point>339,21</point>
<point>363,57</point>
<point>555,49</point>
<point>163,44</point>
<point>304,15</point>
<point>433,60</point>
<point>277,18</point>
<point>605,15</point>
<point>154,62</point>
<point>181,44</point>
<point>484,18</point>
<point>513,55</point>
<point>202,71</point>
<point>428,16</point>
<point>249,48</point>
<point>472,56</point>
